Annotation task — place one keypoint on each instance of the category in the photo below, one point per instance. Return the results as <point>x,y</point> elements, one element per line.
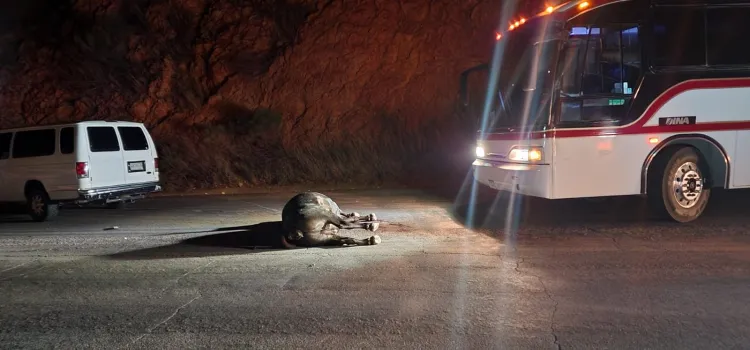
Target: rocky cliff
<point>255,91</point>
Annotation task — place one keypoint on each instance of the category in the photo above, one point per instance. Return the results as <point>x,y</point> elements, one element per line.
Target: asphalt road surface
<point>182,273</point>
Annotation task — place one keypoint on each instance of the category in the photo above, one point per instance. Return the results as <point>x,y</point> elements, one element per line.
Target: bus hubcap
<point>687,185</point>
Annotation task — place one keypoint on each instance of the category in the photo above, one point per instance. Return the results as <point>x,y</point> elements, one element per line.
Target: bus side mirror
<point>463,94</point>
<point>463,98</point>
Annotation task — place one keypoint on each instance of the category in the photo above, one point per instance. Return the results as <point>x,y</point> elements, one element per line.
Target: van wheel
<point>40,207</point>
<point>678,188</point>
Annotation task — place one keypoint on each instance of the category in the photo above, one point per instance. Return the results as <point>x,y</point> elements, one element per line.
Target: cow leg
<point>350,220</point>
<point>353,215</point>
<point>336,240</point>
<point>354,220</point>
<point>368,224</point>
<point>328,236</point>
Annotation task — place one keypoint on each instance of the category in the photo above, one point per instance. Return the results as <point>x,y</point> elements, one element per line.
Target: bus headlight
<point>525,154</point>
<point>480,152</point>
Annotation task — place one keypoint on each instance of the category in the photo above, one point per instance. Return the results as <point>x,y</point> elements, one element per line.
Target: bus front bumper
<point>526,179</point>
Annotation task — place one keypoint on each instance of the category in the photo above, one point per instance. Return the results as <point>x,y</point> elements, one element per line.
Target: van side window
<point>34,143</point>
<point>133,138</point>
<point>5,145</point>
<point>103,139</point>
<point>67,142</point>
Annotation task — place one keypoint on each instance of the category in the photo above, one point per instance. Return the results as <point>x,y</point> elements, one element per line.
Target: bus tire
<point>676,187</point>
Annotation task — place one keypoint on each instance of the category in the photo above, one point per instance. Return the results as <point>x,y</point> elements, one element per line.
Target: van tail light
<point>82,169</point>
<point>156,165</point>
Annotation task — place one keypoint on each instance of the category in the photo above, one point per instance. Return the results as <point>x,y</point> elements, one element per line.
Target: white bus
<point>617,98</point>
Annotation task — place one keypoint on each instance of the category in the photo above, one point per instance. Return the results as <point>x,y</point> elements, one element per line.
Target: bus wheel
<point>677,188</point>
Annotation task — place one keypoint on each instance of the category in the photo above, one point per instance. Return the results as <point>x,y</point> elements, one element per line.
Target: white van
<point>91,162</point>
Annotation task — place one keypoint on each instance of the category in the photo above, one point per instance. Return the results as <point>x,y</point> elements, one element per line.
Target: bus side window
<point>601,67</point>
<point>620,60</point>
<point>726,33</point>
<point>679,37</point>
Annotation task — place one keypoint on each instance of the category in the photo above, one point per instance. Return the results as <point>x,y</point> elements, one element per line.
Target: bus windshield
<point>526,78</point>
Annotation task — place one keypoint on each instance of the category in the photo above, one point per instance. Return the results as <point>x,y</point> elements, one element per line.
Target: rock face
<point>255,91</point>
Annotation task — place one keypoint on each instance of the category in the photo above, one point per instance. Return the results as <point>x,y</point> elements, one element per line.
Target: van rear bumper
<point>118,193</point>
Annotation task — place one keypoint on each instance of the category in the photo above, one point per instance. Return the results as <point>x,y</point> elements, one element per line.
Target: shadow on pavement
<point>261,237</point>
<point>18,213</point>
<point>492,211</point>
<point>14,213</point>
<point>501,210</point>
<point>230,241</point>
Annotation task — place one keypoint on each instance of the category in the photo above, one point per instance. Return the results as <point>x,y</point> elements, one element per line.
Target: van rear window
<point>133,138</point>
<point>34,143</point>
<point>67,141</point>
<point>103,139</point>
<point>5,145</point>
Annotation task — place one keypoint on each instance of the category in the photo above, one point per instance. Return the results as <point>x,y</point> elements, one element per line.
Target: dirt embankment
<point>255,92</point>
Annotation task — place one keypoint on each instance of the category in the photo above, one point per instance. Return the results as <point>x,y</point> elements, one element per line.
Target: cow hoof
<point>371,217</point>
<point>373,226</point>
<point>355,215</point>
<point>375,240</point>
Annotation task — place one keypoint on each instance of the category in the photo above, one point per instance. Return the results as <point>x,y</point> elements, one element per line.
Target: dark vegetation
<point>256,92</point>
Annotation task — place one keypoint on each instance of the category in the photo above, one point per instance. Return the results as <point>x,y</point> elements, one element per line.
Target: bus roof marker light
<point>583,5</point>
<point>498,36</point>
<point>550,9</point>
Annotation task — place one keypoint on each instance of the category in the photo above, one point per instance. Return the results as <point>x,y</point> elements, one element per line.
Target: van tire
<point>674,172</point>
<point>39,205</point>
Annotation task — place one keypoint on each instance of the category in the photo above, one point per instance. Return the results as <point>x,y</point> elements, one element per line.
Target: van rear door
<point>139,159</point>
<point>106,165</point>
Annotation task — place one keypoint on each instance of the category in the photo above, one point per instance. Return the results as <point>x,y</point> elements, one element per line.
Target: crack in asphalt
<point>177,280</point>
<point>614,239</point>
<point>177,310</point>
<point>553,331</point>
<point>552,316</point>
<point>264,207</point>
<point>617,244</point>
<point>164,321</point>
<point>25,273</point>
<point>17,266</point>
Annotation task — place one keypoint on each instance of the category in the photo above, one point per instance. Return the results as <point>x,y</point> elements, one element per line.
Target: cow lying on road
<point>312,219</point>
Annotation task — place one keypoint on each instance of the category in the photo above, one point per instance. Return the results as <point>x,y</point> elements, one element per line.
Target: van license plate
<point>134,167</point>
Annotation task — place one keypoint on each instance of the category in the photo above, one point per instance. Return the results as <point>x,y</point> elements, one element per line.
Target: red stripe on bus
<point>638,126</point>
